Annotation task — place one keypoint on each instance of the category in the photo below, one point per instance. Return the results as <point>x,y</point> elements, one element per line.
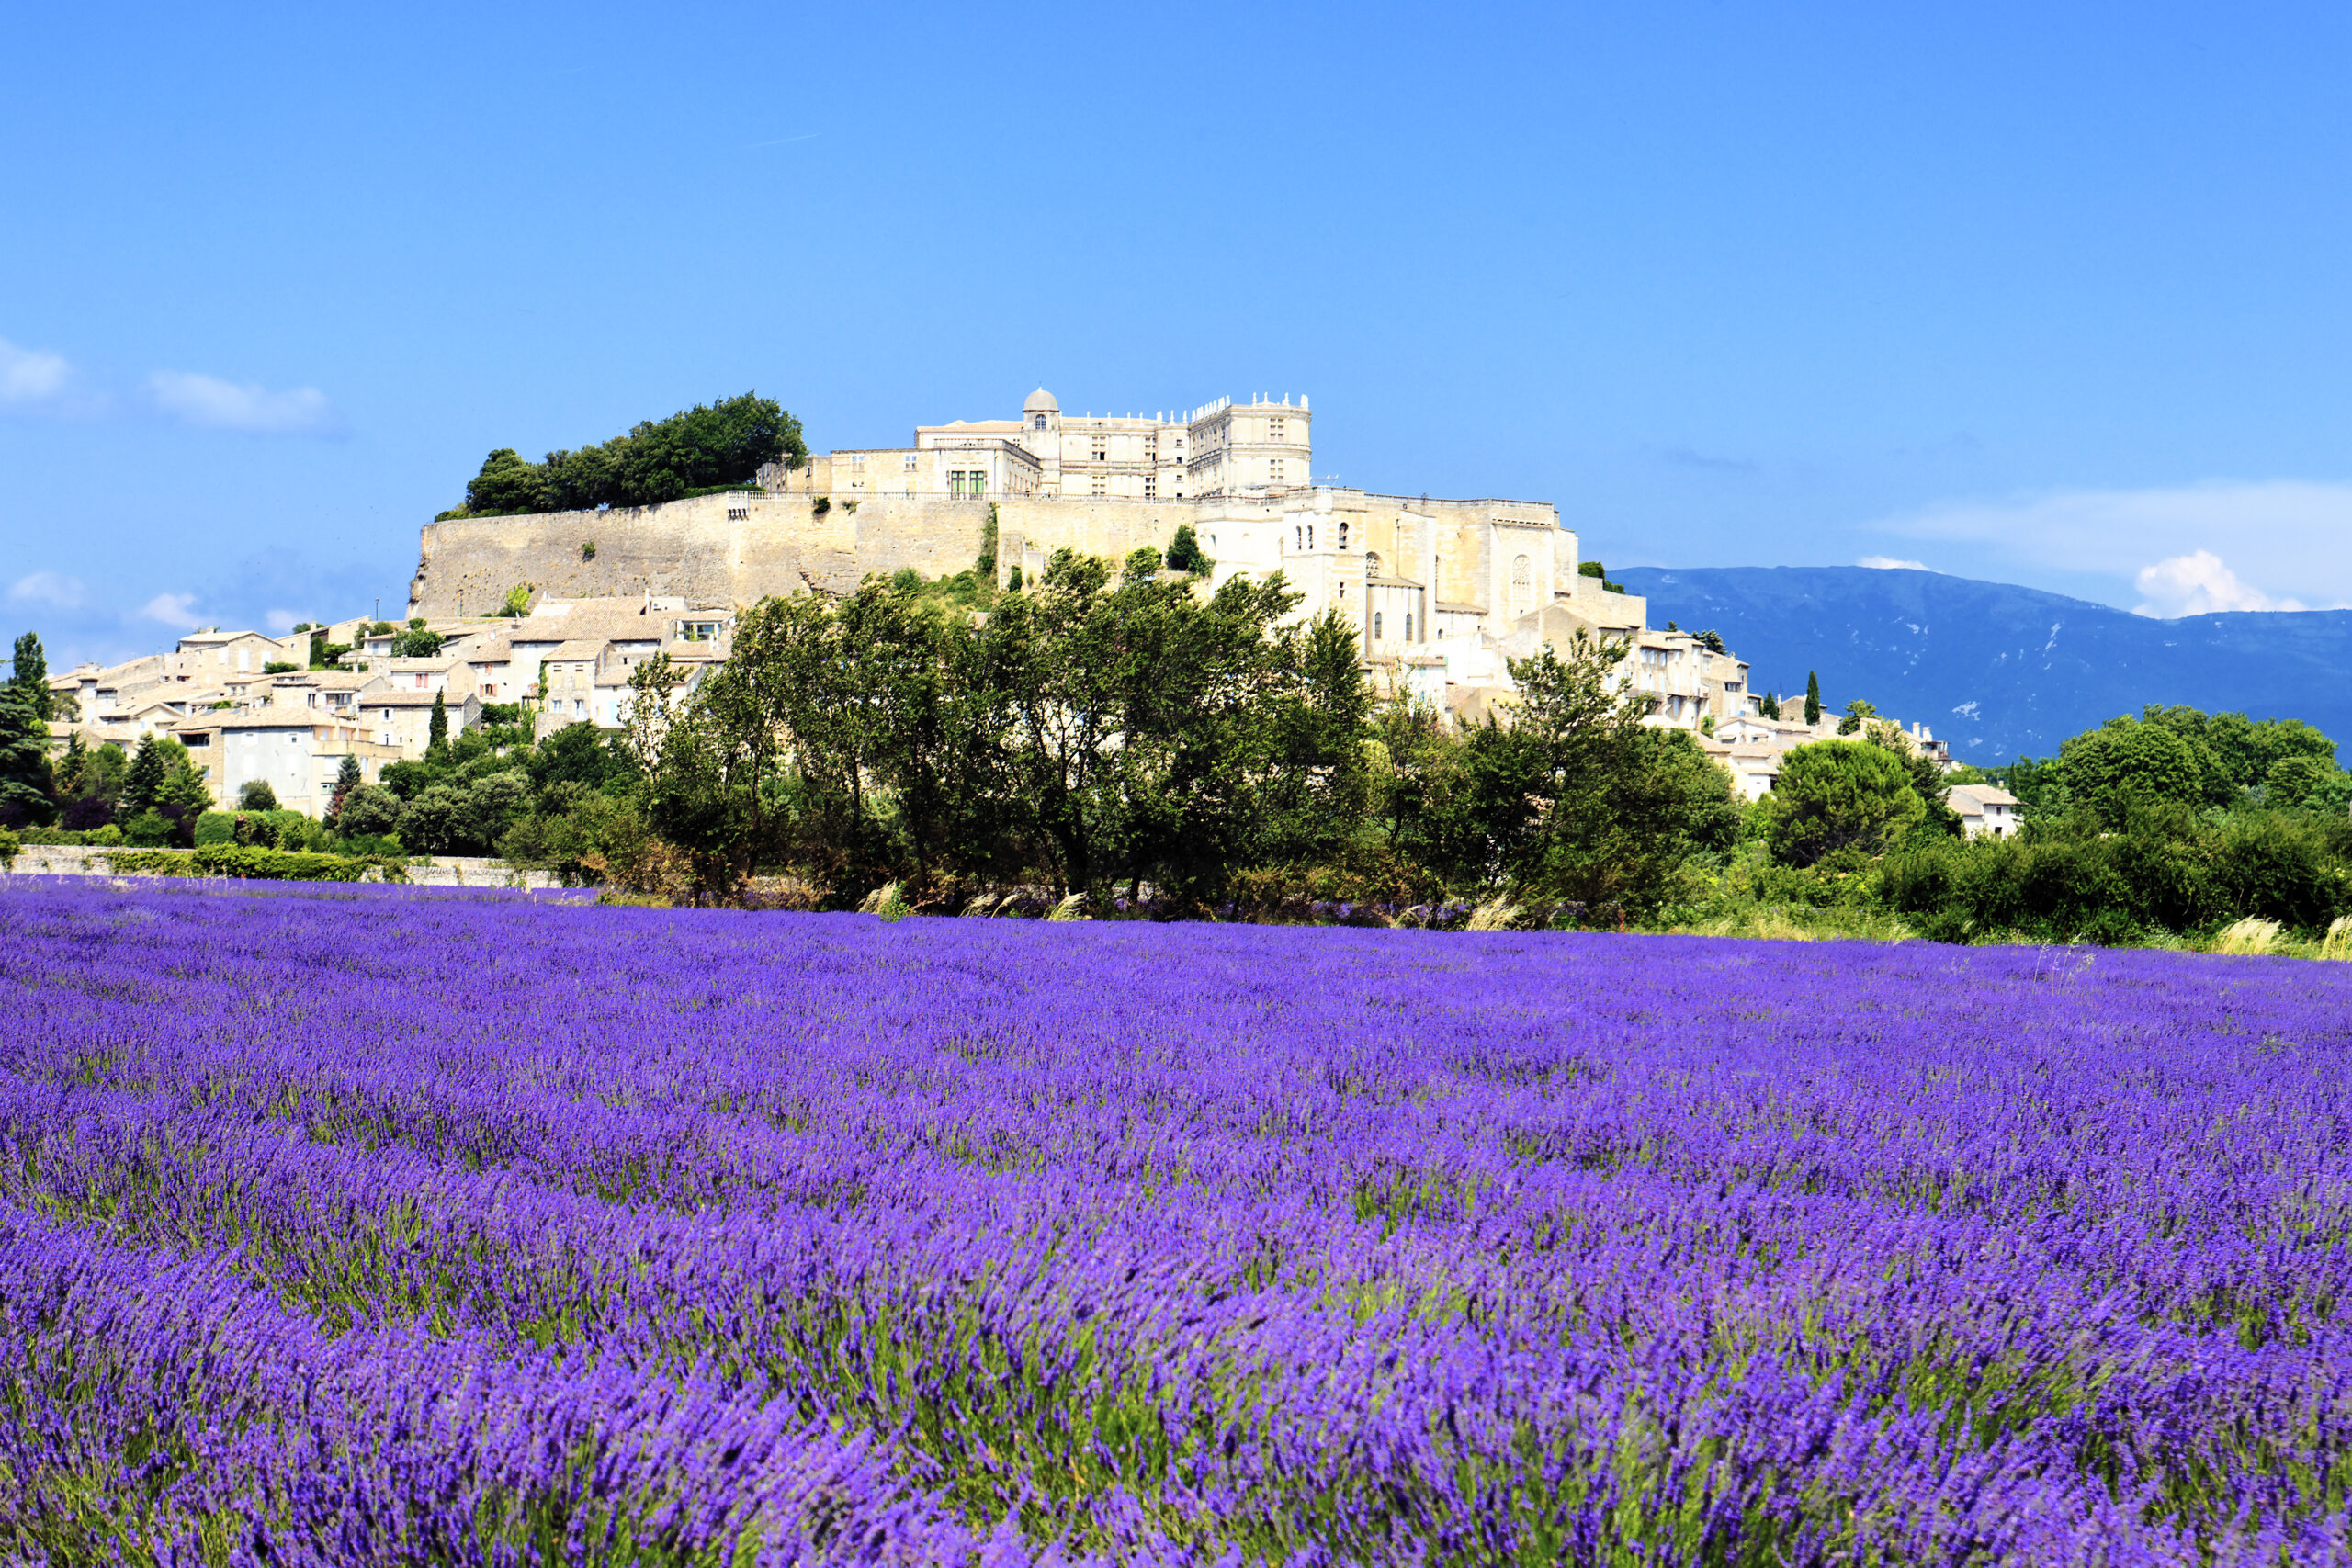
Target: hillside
<point>1997,670</point>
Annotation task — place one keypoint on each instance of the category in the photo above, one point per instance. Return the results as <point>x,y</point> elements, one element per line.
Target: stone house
<point>298,753</point>
<point>402,721</point>
<point>1984,811</point>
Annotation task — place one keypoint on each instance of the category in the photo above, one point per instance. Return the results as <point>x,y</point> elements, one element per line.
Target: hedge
<point>252,862</point>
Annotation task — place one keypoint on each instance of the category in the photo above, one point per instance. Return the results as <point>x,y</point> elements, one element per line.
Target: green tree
<point>29,677</point>
<point>415,642</point>
<point>184,793</point>
<point>2128,763</point>
<point>256,795</point>
<point>23,761</point>
<point>1771,706</point>
<point>508,482</point>
<point>578,754</point>
<point>1858,713</point>
<point>2300,779</point>
<point>142,785</point>
<point>437,732</point>
<point>369,811</point>
<point>347,777</point>
<point>1812,698</point>
<point>1835,797</point>
<point>1184,552</point>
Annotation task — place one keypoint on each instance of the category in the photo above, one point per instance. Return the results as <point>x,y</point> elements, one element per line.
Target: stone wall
<point>732,549</point>
<point>738,547</point>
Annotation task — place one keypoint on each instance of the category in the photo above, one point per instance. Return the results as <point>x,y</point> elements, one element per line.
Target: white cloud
<point>173,610</point>
<point>1888,563</point>
<point>2275,534</point>
<point>279,622</point>
<point>2198,584</point>
<point>54,589</point>
<point>210,403</point>
<point>31,378</point>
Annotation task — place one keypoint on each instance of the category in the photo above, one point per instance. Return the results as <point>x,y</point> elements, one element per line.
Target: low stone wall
<point>445,871</point>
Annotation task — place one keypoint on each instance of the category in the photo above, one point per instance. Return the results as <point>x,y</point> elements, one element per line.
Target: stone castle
<point>1407,571</point>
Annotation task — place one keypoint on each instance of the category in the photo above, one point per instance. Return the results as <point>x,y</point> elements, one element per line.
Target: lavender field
<point>358,1227</point>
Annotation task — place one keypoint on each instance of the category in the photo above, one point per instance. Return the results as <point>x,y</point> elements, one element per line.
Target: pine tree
<point>23,761</point>
<point>32,677</point>
<point>29,676</point>
<point>1772,706</point>
<point>436,736</point>
<point>1812,698</point>
<point>143,785</point>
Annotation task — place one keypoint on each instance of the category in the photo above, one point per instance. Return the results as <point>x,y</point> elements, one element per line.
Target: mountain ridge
<point>1997,670</point>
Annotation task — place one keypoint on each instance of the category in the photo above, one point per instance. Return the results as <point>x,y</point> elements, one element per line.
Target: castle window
<point>1343,534</point>
<point>1101,453</point>
<point>908,462</point>
<point>1040,423</point>
<point>1409,626</point>
<point>1274,430</point>
<point>1151,486</point>
<point>1098,486</point>
<point>1310,536</point>
<point>1274,471</point>
<point>1376,626</point>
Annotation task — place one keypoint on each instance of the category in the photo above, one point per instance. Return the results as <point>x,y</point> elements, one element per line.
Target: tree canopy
<point>702,447</point>
<point>1835,796</point>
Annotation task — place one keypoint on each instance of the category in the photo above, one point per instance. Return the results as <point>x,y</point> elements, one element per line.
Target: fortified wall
<point>731,548</point>
<point>1338,546</point>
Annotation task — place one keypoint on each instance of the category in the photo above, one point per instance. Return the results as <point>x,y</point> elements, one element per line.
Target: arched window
<point>1409,626</point>
<point>1522,585</point>
<point>1372,563</point>
<point>1310,536</point>
<point>1376,626</point>
<point>1298,536</point>
<point>1344,535</point>
<point>1040,423</point>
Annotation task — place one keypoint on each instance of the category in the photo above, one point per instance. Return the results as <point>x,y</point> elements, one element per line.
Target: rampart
<point>739,547</point>
<point>731,548</point>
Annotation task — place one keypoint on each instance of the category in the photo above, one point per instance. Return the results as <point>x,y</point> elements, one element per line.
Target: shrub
<point>257,795</point>
<point>368,811</point>
<point>215,828</point>
<point>8,846</point>
<point>150,828</point>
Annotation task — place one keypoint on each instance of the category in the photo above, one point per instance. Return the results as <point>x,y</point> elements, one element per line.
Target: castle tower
<point>1041,433</point>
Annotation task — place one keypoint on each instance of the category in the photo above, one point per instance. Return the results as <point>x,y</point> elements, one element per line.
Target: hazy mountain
<point>1997,670</point>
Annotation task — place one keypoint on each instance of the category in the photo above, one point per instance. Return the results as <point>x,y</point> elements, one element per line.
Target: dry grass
<point>1498,916</point>
<point>2251,935</point>
<point>2337,943</point>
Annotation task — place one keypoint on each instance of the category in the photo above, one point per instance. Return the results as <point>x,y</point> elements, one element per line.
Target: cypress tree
<point>437,736</point>
<point>1772,706</point>
<point>1812,697</point>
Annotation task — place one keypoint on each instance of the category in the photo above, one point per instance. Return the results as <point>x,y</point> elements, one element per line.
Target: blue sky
<point>2048,295</point>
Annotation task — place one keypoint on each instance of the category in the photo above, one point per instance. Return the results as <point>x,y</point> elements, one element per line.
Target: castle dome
<point>1041,401</point>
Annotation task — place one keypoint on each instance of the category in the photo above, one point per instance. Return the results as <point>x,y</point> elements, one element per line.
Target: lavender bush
<point>360,1226</point>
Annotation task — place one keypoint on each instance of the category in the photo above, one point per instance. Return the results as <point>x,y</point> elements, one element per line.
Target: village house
<point>299,754</point>
<point>1984,811</point>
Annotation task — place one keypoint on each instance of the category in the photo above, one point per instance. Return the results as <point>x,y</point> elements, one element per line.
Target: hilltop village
<point>539,618</point>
